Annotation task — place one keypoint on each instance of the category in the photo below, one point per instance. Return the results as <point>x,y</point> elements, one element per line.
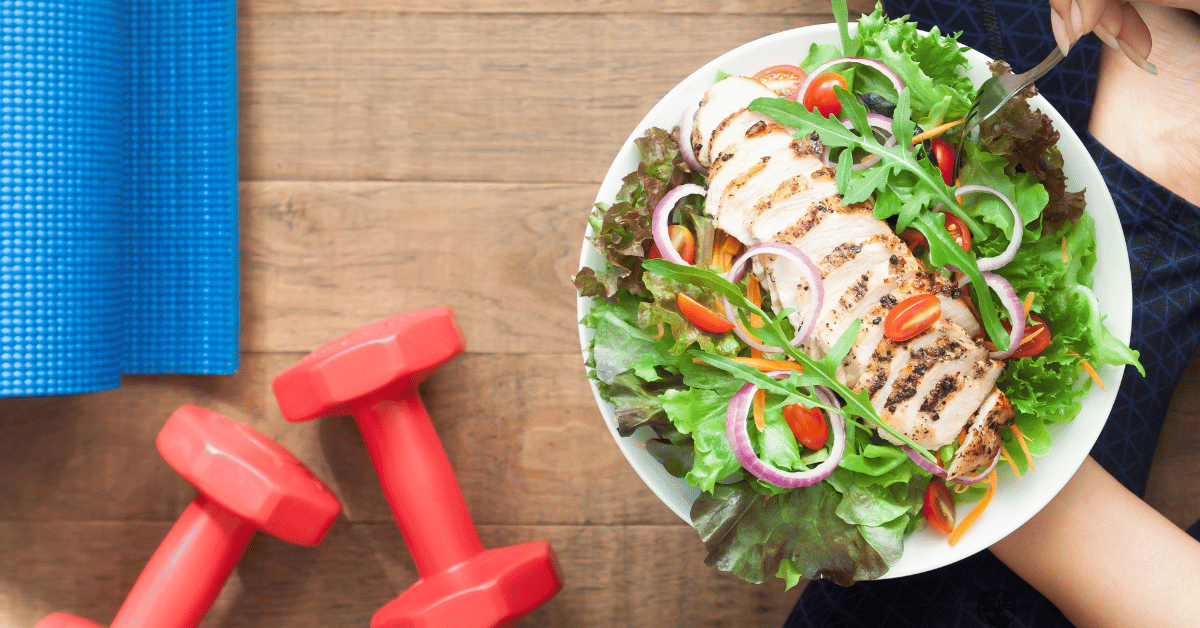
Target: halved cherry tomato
<point>682,239</point>
<point>939,506</point>
<point>958,230</point>
<point>911,317</point>
<point>1035,344</point>
<point>943,156</point>
<point>820,96</point>
<point>701,316</point>
<point>808,425</point>
<point>785,80</point>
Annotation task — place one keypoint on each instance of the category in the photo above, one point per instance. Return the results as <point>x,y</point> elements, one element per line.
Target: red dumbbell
<point>373,374</point>
<point>247,482</point>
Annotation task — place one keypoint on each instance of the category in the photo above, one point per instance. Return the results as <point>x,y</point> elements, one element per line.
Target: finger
<point>1110,24</point>
<point>1134,38</point>
<point>1060,24</point>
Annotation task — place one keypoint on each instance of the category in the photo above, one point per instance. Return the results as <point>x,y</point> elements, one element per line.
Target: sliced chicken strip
<point>944,400</point>
<point>982,443</point>
<point>730,130</point>
<point>723,99</point>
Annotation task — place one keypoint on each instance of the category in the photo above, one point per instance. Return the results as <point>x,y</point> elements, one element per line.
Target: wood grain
<point>321,258</point>
<point>462,97</point>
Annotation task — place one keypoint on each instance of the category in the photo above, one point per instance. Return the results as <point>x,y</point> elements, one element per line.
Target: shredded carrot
<point>1091,371</point>
<point>962,488</point>
<point>1031,336</point>
<point>967,521</point>
<point>1020,436</point>
<point>1028,302</point>
<point>754,294</point>
<point>760,409</point>
<point>764,364</point>
<point>1009,459</point>
<point>1064,249</point>
<point>660,333</point>
<point>936,131</point>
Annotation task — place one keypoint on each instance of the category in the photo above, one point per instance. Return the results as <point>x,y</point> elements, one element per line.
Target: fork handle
<point>1042,68</point>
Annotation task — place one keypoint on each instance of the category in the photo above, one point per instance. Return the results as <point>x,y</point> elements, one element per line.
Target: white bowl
<point>1015,500</point>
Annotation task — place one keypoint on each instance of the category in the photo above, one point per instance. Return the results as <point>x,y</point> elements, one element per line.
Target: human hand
<point>1116,22</point>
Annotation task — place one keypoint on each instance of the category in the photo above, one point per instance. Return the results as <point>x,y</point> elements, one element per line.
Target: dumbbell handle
<point>180,583</point>
<point>418,483</point>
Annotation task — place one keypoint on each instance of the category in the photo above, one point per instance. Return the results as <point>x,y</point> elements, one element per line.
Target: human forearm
<point>1106,558</point>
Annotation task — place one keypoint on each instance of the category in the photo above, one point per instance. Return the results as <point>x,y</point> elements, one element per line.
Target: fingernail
<point>1076,21</point>
<point>1060,32</point>
<point>1136,58</point>
<point>1106,36</point>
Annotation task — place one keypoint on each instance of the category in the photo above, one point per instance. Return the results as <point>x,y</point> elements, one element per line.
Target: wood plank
<point>613,576</point>
<point>718,7</point>
<point>320,259</point>
<point>522,432</point>
<point>497,97</point>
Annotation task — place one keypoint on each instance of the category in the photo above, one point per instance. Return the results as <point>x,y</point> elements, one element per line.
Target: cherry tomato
<point>785,80</point>
<point>943,156</point>
<point>701,316</point>
<point>939,506</point>
<point>683,241</point>
<point>958,230</point>
<point>820,96</point>
<point>1035,345</point>
<point>911,317</point>
<point>808,425</point>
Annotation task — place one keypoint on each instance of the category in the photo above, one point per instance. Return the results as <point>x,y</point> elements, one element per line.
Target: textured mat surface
<point>118,192</point>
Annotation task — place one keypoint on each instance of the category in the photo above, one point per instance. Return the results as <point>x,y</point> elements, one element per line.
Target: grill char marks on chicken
<point>765,185</point>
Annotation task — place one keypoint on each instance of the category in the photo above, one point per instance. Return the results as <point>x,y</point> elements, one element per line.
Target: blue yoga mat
<point>118,192</point>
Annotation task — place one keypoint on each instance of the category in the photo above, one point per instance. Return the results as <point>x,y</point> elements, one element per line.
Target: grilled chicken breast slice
<point>723,99</point>
<point>982,442</point>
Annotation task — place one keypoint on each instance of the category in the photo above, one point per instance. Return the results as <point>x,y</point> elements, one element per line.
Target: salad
<point>798,475</point>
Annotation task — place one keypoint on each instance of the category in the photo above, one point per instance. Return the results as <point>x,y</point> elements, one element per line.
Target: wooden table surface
<point>398,156</point>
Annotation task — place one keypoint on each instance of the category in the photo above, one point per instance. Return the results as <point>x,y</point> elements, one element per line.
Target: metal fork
<point>998,90</point>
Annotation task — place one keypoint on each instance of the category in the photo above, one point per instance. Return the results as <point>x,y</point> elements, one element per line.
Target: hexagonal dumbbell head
<point>371,362</point>
<point>495,590</point>
<point>249,474</point>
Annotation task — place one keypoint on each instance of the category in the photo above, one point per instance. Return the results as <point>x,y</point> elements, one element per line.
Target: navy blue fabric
<point>1162,233</point>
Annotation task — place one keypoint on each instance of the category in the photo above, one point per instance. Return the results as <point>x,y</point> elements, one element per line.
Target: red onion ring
<point>942,473</point>
<point>811,273</point>
<point>686,122</point>
<point>876,121</point>
<point>878,65</point>
<point>659,220</point>
<point>992,263</point>
<point>1016,312</point>
<point>743,450</point>
<point>1012,303</point>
